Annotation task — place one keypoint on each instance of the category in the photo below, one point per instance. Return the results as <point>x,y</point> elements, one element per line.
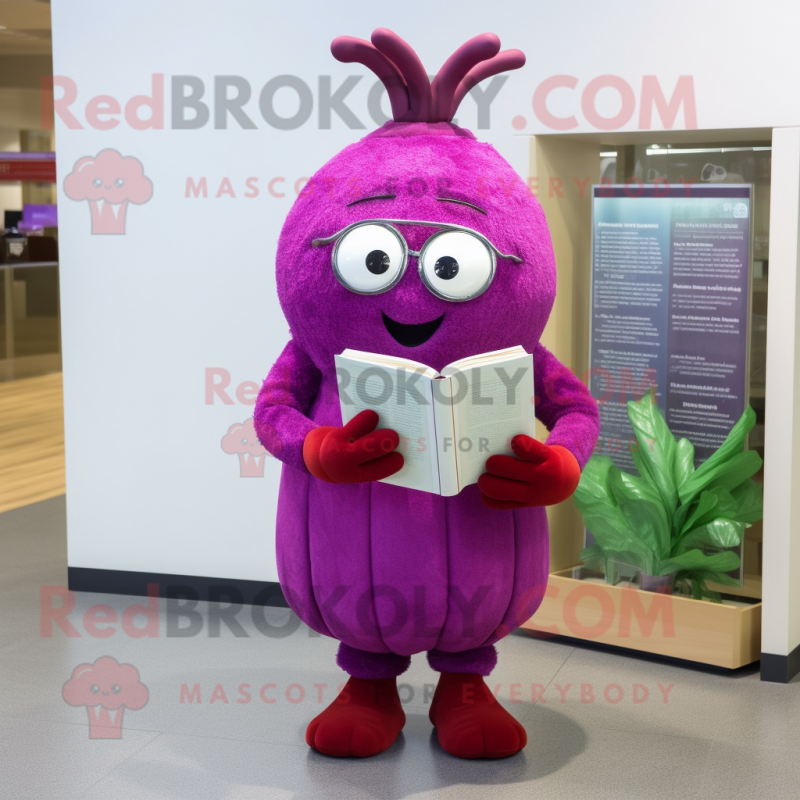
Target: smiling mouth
<point>411,335</point>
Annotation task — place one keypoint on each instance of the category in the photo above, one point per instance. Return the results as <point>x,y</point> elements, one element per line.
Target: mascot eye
<point>446,268</point>
<point>456,265</point>
<point>370,259</point>
<point>97,182</point>
<point>378,262</point>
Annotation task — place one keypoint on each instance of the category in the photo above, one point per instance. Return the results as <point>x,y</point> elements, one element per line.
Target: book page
<point>492,402</point>
<point>390,361</point>
<point>403,399</point>
<point>481,358</point>
<point>445,438</point>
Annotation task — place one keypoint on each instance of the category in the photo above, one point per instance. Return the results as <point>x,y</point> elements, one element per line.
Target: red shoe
<point>469,721</point>
<point>364,720</point>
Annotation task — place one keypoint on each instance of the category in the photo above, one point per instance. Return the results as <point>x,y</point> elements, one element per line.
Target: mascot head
<point>417,241</point>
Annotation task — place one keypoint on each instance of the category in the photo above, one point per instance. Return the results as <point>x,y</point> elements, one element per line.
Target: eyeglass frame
<point>446,227</point>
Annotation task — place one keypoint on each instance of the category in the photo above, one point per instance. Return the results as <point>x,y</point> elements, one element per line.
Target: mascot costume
<point>386,570</point>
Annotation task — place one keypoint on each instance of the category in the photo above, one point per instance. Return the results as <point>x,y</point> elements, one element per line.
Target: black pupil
<point>446,268</point>
<point>377,262</point>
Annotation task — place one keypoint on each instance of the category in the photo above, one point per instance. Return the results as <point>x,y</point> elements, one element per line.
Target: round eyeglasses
<point>456,263</point>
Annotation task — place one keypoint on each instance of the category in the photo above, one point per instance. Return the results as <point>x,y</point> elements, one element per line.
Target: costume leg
<point>367,716</point>
<point>481,660</point>
<point>469,721</point>
<point>362,664</point>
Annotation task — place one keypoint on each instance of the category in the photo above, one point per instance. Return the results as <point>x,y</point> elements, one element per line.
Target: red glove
<point>541,475</point>
<point>355,453</point>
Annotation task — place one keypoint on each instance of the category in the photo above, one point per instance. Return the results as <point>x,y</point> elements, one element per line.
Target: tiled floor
<point>675,733</point>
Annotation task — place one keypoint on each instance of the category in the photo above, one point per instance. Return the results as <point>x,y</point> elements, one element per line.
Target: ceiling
<point>25,28</point>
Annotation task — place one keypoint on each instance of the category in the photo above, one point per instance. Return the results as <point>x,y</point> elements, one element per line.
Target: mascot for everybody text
<point>390,571</point>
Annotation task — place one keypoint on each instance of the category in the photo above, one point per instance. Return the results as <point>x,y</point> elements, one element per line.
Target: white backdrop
<point>190,285</point>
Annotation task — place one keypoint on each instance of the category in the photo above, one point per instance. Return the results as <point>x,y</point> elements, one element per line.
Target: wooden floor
<point>31,441</point>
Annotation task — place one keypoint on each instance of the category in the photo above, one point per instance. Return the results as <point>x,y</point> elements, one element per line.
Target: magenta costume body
<point>384,569</point>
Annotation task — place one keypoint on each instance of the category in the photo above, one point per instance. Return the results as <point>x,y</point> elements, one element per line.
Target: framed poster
<point>671,272</point>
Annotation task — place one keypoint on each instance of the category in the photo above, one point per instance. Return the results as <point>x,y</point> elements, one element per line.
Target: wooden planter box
<point>723,635</point>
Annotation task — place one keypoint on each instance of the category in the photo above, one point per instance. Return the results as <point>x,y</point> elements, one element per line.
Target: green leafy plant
<point>672,519</point>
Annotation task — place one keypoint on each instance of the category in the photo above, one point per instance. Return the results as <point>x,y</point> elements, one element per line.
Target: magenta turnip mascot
<point>385,570</point>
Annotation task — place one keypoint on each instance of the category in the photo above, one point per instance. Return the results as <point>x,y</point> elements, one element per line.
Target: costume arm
<point>565,406</point>
<point>283,403</point>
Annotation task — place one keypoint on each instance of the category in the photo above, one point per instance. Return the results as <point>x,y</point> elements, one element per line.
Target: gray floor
<point>716,736</point>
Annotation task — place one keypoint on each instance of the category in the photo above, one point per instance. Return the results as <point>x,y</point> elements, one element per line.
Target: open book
<point>450,422</point>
